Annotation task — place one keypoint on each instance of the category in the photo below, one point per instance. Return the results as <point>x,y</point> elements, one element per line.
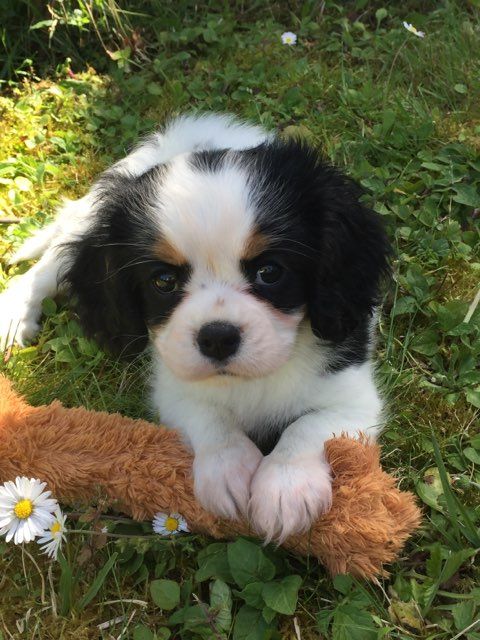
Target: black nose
<point>218,340</point>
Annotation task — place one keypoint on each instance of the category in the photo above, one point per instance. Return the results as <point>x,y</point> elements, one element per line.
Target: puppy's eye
<point>269,274</point>
<point>165,282</point>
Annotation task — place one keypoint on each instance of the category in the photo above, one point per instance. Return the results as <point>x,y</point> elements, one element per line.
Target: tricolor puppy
<point>252,271</point>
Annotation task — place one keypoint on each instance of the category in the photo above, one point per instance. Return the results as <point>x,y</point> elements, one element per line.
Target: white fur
<point>21,302</point>
<point>187,133</point>
<point>292,485</point>
<point>278,371</point>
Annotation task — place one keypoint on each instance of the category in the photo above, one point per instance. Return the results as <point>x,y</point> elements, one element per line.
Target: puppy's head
<point>219,256</point>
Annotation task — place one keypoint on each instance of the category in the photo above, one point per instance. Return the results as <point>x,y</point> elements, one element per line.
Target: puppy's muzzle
<point>218,340</point>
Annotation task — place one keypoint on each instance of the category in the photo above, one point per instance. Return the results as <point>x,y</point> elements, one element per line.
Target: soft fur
<point>87,456</point>
<point>252,270</point>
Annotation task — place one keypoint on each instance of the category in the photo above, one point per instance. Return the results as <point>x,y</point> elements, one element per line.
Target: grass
<point>401,115</point>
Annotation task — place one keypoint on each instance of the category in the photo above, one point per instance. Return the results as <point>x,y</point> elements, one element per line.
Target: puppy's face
<point>218,256</point>
<point>222,300</point>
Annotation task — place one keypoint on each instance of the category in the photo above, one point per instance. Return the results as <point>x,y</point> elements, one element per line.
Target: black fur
<point>112,265</point>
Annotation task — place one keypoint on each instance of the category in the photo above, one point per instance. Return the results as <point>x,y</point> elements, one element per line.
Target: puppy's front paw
<point>288,495</point>
<point>18,316</point>
<point>222,477</point>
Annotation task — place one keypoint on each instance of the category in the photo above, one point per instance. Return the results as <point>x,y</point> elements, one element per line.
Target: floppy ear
<point>107,298</point>
<point>353,255</point>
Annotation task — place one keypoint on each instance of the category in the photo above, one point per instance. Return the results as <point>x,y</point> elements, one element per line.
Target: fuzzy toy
<point>142,469</point>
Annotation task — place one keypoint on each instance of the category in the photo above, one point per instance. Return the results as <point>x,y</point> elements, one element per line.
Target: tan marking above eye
<point>256,244</point>
<point>168,253</point>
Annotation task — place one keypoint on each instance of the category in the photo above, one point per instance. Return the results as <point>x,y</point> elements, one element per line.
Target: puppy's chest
<point>266,433</point>
<point>265,418</point>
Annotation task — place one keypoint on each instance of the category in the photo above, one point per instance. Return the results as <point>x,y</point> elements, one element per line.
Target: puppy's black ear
<point>352,258</point>
<point>107,299</point>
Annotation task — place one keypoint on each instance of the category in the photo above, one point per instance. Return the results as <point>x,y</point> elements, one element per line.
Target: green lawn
<point>399,113</point>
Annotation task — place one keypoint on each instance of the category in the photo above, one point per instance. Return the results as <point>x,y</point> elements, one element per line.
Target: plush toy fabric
<point>142,469</point>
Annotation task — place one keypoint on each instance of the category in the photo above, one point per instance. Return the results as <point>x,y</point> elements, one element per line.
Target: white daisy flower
<point>414,30</point>
<point>26,510</point>
<point>289,38</point>
<point>167,525</point>
<point>53,537</point>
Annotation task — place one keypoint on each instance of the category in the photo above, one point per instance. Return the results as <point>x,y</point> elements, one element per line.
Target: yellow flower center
<point>55,528</point>
<point>171,524</point>
<point>23,509</point>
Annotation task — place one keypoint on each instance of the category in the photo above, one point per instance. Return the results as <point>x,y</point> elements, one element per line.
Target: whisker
<point>132,263</point>
<point>127,346</point>
<point>136,245</point>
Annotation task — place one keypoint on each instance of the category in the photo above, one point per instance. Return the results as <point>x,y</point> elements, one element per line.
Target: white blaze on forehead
<point>207,216</point>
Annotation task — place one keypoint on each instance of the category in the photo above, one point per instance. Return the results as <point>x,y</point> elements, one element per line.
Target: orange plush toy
<point>141,469</point>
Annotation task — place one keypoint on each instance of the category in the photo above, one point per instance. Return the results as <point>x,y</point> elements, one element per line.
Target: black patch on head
<point>112,264</point>
<point>209,161</point>
<point>333,247</point>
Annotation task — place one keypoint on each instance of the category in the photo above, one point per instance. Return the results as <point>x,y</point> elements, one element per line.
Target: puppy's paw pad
<point>287,496</point>
<point>222,478</point>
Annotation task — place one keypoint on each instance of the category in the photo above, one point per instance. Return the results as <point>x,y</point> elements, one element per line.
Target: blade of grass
<point>447,490</point>
<point>66,585</point>
<point>454,506</point>
<point>97,583</point>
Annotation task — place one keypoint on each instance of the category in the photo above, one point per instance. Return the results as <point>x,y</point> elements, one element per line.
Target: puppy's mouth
<point>222,370</point>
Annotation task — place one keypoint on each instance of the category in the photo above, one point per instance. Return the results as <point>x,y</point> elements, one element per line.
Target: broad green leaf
<point>193,618</point>
<point>351,623</point>
<point>250,625</point>
<point>467,194</point>
<point>248,563</point>
<point>252,594</point>
<point>431,488</point>
<point>342,583</point>
<point>154,89</point>
<point>268,614</point>
<point>49,307</point>
<point>426,342</point>
<point>324,618</point>
<point>221,603</point>
<point>473,396</point>
<point>213,563</point>
<point>165,593</point>
<point>282,596</point>
<point>141,632</point>
<point>403,305</point>
<point>462,613</point>
<point>472,454</point>
<point>380,14</point>
<point>476,441</point>
<point>451,314</point>
<point>406,614</point>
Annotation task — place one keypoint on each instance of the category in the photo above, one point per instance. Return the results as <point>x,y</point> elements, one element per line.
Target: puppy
<point>252,271</point>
